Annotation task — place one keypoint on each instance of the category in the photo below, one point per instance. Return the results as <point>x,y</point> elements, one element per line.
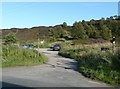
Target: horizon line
<point>54,24</point>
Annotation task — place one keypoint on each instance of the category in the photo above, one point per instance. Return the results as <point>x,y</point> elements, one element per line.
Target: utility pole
<point>38,42</point>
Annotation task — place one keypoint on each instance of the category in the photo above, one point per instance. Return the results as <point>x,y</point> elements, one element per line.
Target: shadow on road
<point>69,65</point>
<point>6,85</point>
<point>73,65</point>
<point>50,49</point>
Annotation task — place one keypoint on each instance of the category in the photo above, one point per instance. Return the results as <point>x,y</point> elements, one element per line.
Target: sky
<point>30,14</point>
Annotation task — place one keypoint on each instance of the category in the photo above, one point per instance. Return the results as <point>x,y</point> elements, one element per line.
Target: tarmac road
<point>57,72</point>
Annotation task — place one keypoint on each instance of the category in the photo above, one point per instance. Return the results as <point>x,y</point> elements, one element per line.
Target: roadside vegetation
<point>18,56</point>
<point>94,63</point>
<point>13,55</point>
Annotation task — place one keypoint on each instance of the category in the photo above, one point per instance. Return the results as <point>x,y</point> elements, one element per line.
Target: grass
<point>17,56</point>
<point>0,52</point>
<point>104,67</point>
<point>94,64</point>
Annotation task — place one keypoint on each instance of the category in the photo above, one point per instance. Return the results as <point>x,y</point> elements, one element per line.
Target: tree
<point>111,17</point>
<point>10,39</point>
<point>57,32</point>
<point>115,17</point>
<point>94,33</point>
<point>92,22</point>
<point>78,31</point>
<point>88,29</point>
<point>105,32</point>
<point>91,30</point>
<point>102,18</point>
<point>78,25</point>
<point>102,22</point>
<point>64,25</point>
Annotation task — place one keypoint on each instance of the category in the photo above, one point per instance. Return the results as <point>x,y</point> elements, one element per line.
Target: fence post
<point>113,43</point>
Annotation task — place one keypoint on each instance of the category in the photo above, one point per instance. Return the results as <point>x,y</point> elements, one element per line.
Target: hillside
<point>27,34</point>
<point>82,31</point>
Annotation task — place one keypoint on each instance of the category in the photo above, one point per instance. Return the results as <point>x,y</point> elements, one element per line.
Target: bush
<point>96,64</point>
<point>10,39</point>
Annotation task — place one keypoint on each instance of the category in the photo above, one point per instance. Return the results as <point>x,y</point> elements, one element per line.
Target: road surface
<point>57,72</point>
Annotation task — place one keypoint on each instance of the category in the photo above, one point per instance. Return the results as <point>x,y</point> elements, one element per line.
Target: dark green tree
<point>10,39</point>
<point>102,22</point>
<point>78,25</point>
<point>94,33</point>
<point>58,32</point>
<point>92,22</point>
<point>78,31</point>
<point>88,29</point>
<point>64,25</point>
<point>105,32</point>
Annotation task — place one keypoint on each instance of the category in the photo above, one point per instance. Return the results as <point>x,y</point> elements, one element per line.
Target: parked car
<point>56,47</point>
<point>27,45</point>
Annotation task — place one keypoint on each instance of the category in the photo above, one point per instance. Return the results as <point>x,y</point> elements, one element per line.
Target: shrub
<point>95,64</point>
<point>10,39</point>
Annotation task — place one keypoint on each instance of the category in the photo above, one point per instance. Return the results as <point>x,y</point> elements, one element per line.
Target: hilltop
<point>82,31</point>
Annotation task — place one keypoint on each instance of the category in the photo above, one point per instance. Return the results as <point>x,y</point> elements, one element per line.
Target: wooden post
<point>113,42</point>
<point>38,43</point>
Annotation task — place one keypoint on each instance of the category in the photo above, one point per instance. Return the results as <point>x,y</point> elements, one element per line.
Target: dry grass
<point>95,45</point>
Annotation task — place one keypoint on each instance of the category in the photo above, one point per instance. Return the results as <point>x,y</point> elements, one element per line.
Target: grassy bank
<point>94,64</point>
<point>17,56</point>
